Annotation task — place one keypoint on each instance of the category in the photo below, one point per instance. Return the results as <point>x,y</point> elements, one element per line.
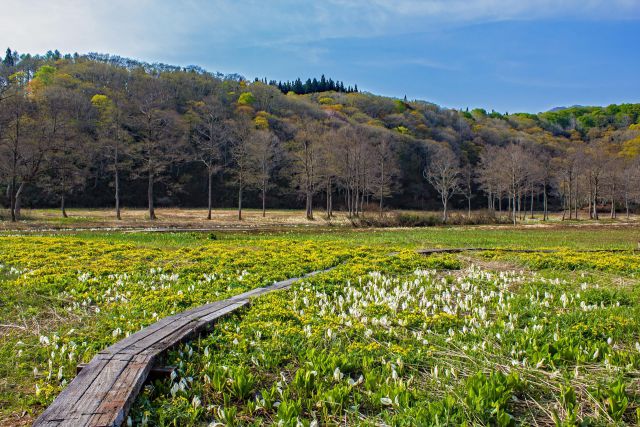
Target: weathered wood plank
<point>103,391</point>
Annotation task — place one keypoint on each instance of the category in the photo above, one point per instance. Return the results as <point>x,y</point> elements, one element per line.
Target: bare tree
<point>352,166</point>
<point>113,139</point>
<point>306,157</point>
<point>443,173</point>
<point>385,168</point>
<point>264,154</point>
<point>328,167</point>
<point>241,154</point>
<point>467,177</point>
<point>488,177</point>
<point>595,164</point>
<point>211,130</point>
<point>158,132</point>
<point>505,168</point>
<point>14,141</point>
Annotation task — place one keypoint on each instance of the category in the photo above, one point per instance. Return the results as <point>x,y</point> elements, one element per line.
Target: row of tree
<point>312,86</point>
<point>99,129</point>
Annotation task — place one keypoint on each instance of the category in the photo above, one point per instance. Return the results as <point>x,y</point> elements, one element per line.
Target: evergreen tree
<point>8,59</point>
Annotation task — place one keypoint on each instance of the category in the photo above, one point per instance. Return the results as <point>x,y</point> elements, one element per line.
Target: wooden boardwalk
<point>102,393</point>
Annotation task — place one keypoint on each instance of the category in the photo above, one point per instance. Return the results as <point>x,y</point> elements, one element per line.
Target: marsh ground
<point>63,297</point>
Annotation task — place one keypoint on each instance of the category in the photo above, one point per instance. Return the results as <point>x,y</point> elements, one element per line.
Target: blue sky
<point>507,55</point>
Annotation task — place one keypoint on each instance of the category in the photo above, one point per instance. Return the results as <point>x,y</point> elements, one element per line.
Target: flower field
<point>389,337</point>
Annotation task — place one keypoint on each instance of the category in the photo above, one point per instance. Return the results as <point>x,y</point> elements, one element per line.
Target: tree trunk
<point>209,193</point>
<point>544,203</point>
<point>62,207</point>
<point>18,205</point>
<point>264,199</point>
<point>569,193</point>
<point>576,201</point>
<point>152,211</point>
<point>12,199</point>
<point>531,204</point>
<point>595,201</point>
<point>329,198</point>
<point>309,207</point>
<point>626,204</point>
<point>117,185</point>
<point>240,198</point>
<point>515,194</point>
<point>444,213</point>
<point>613,201</point>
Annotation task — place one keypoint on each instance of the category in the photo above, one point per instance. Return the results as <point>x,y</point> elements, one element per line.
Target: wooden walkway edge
<point>102,393</point>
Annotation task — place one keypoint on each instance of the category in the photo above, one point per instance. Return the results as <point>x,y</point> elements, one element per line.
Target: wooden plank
<point>103,391</point>
<point>167,331</point>
<point>59,409</point>
<point>156,372</point>
<point>93,396</point>
<point>116,404</point>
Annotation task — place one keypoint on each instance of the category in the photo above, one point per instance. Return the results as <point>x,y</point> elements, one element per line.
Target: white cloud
<point>152,29</point>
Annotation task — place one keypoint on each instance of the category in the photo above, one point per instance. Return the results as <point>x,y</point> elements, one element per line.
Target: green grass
<point>85,290</point>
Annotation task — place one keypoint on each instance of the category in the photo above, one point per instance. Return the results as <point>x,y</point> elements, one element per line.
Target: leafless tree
<point>211,130</point>
<point>159,133</point>
<point>242,132</point>
<point>264,154</point>
<point>113,139</point>
<point>443,173</point>
<point>305,160</point>
<point>385,166</point>
<point>467,178</point>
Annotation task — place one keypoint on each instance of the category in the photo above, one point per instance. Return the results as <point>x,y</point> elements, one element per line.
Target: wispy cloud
<point>146,27</point>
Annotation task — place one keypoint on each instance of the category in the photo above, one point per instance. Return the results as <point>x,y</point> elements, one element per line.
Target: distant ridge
<point>564,108</point>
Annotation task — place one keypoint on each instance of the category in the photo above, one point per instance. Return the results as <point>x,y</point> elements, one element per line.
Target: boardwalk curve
<point>103,391</point>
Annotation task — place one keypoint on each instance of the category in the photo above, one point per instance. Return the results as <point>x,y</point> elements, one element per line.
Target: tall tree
<point>264,155</point>
<point>113,139</point>
<point>211,131</point>
<point>443,173</point>
<point>242,132</point>
<point>385,169</point>
<point>306,156</point>
<point>159,134</point>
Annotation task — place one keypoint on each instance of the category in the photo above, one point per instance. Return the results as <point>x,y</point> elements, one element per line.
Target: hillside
<point>88,130</point>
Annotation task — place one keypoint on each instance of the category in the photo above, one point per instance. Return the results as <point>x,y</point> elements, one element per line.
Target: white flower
<point>337,375</point>
<point>386,401</point>
<point>174,389</point>
<point>195,402</point>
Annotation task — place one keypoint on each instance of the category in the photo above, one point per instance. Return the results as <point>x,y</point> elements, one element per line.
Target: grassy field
<point>389,337</point>
<point>227,219</point>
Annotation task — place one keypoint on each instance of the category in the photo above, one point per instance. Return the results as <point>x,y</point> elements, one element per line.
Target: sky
<point>506,55</point>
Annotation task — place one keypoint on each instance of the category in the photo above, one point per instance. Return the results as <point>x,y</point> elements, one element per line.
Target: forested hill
<point>82,130</point>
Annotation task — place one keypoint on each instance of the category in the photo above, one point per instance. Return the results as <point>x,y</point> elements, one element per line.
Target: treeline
<point>312,86</point>
<point>100,130</point>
